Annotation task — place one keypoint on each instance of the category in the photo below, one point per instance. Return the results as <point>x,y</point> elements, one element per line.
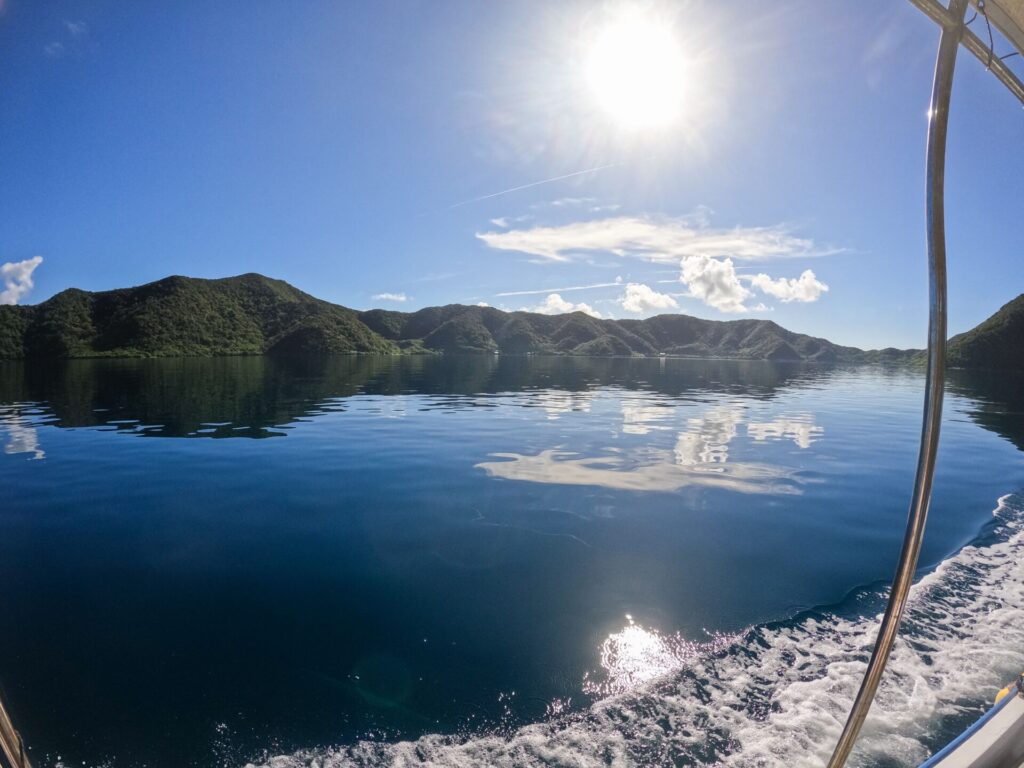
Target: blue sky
<point>357,150</point>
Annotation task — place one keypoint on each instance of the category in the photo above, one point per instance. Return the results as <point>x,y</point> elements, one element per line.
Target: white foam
<point>777,694</point>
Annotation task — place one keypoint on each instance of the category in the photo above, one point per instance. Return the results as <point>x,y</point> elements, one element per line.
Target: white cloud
<point>807,287</point>
<point>54,49</point>
<point>556,305</point>
<point>482,304</point>
<point>642,298</point>
<point>567,202</point>
<point>76,28</point>
<point>501,221</point>
<point>16,277</point>
<point>653,239</point>
<point>390,297</point>
<point>714,281</point>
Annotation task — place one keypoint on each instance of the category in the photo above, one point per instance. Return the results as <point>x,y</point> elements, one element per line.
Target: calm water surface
<point>212,562</point>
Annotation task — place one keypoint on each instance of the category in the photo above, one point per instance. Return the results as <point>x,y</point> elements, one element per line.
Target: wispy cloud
<point>74,34</point>
<point>591,204</point>
<point>400,297</point>
<point>890,36</point>
<point>653,239</point>
<point>16,277</point>
<point>572,202</point>
<point>640,298</point>
<point>533,184</point>
<point>618,281</point>
<point>556,305</point>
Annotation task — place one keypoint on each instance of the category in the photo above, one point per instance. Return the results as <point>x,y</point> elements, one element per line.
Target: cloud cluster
<point>16,278</point>
<point>715,282</point>
<point>390,297</point>
<point>807,287</point>
<point>707,256</point>
<point>556,305</point>
<point>653,239</point>
<point>642,298</point>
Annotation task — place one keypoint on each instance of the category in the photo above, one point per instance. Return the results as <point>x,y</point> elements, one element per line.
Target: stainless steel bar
<point>940,14</point>
<point>1006,76</point>
<point>935,10</point>
<point>11,745</point>
<point>938,119</point>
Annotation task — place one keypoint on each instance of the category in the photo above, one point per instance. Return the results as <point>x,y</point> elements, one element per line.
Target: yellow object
<point>1008,689</point>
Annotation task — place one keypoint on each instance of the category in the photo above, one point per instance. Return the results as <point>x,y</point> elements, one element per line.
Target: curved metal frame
<point>953,31</point>
<point>11,745</point>
<point>937,12</point>
<point>938,115</point>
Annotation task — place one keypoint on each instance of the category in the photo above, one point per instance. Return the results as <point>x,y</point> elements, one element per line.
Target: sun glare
<point>636,70</point>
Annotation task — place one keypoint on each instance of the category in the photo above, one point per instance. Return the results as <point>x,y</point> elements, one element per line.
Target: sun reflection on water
<point>635,655</point>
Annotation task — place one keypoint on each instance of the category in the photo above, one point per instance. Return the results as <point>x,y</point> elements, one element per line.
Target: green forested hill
<point>182,316</point>
<point>252,314</point>
<point>996,343</point>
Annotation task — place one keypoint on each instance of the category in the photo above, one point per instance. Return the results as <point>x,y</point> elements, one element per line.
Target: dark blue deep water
<point>212,562</point>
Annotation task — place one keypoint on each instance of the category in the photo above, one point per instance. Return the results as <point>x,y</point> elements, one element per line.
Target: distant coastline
<point>254,315</point>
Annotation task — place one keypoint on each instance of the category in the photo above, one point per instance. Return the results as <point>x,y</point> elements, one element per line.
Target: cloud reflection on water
<point>557,403</point>
<point>706,439</point>
<point>559,467</point>
<point>800,428</point>
<point>700,457</point>
<point>22,437</point>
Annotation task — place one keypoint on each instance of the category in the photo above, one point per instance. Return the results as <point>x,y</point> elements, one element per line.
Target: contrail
<point>564,290</point>
<point>532,184</point>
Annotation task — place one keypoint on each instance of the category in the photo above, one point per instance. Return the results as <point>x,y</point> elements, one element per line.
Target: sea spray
<point>778,693</point>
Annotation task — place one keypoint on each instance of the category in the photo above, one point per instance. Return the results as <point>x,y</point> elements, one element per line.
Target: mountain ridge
<point>254,314</point>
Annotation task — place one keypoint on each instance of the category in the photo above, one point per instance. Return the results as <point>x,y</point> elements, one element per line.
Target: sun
<point>637,71</point>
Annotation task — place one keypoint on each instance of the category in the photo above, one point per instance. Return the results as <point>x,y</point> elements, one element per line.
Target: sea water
<point>494,561</point>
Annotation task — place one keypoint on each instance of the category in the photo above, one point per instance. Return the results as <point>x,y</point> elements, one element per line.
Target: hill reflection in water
<point>435,545</point>
<point>255,397</point>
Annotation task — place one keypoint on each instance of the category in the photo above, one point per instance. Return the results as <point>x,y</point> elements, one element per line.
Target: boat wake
<point>778,693</point>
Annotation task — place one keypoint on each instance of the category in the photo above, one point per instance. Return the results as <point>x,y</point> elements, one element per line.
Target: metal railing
<point>946,18</point>
<point>11,746</point>
<point>938,120</point>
